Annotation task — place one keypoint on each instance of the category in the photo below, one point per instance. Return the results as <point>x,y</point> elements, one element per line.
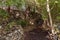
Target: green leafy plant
<point>3,13</point>
<point>10,25</point>
<point>23,23</point>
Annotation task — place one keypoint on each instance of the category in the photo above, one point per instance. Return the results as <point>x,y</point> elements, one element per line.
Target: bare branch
<point>49,17</point>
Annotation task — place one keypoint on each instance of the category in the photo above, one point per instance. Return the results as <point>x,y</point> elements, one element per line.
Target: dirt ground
<point>37,34</point>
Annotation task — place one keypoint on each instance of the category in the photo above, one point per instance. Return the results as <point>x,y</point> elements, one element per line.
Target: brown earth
<point>37,34</point>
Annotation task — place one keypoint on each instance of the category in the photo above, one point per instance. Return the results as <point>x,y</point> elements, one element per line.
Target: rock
<point>17,34</point>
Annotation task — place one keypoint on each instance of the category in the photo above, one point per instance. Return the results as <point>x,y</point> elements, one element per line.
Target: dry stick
<point>49,17</point>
